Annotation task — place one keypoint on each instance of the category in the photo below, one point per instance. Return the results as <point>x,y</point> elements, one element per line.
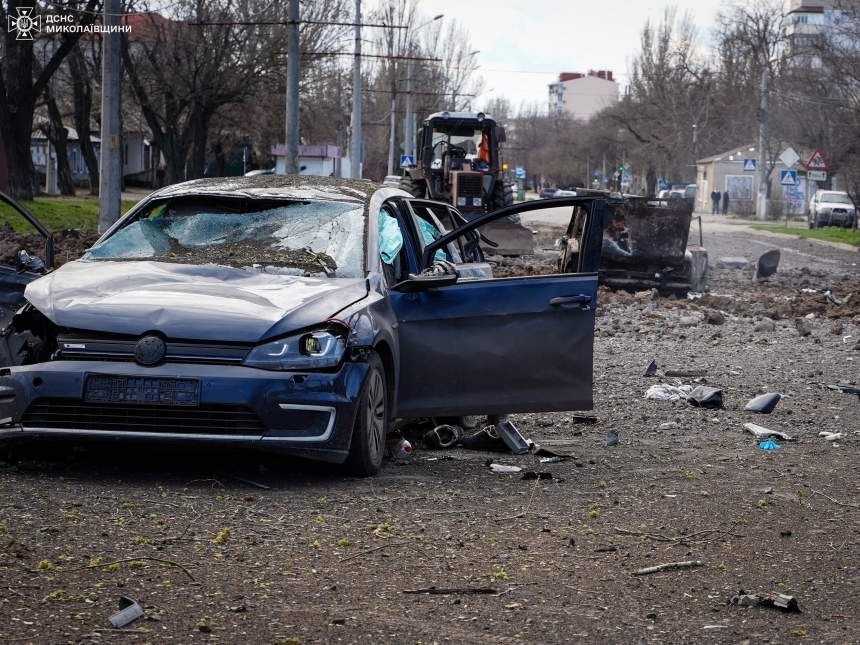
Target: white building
<point>581,96</point>
<point>808,21</point>
<point>322,161</point>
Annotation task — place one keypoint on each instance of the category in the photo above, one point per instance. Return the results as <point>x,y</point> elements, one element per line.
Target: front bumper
<point>303,414</point>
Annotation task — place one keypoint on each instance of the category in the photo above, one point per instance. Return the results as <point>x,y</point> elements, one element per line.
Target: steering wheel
<point>454,151</point>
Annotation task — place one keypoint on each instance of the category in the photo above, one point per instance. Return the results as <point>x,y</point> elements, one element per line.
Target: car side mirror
<point>417,283</point>
<point>501,137</point>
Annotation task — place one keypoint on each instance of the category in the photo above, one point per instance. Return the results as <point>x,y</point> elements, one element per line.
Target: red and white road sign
<point>817,161</point>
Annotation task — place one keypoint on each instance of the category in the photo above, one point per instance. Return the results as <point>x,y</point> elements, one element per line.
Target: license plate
<point>106,388</point>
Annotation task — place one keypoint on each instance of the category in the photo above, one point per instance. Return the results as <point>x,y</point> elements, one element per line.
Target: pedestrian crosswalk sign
<point>750,165</point>
<point>788,178</point>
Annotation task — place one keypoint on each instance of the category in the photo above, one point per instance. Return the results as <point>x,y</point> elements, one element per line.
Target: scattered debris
<point>502,468</point>
<point>485,439</point>
<point>668,426</point>
<point>706,397</point>
<point>611,438</point>
<point>766,324</point>
<point>845,388</point>
<point>454,590</point>
<point>714,317</point>
<point>777,600</point>
<point>129,611</point>
<point>666,392</point>
<point>770,444</point>
<point>606,549</point>
<point>398,448</point>
<point>831,436</point>
<point>836,328</point>
<point>582,417</point>
<point>443,436</point>
<point>668,565</point>
<point>766,265</point>
<point>651,370</point>
<point>804,326</point>
<point>763,433</point>
<point>763,404</point>
<point>530,474</point>
<point>512,438</point>
<point>553,460</point>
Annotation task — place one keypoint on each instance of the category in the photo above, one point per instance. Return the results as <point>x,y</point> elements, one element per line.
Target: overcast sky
<point>551,36</point>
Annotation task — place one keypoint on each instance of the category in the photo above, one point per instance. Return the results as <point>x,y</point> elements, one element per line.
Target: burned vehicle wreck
<point>645,246</point>
<point>297,315</point>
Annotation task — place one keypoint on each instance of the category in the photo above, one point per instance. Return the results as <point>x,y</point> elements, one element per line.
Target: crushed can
<point>398,448</point>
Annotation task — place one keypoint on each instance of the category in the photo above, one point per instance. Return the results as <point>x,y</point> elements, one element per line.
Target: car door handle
<point>560,301</point>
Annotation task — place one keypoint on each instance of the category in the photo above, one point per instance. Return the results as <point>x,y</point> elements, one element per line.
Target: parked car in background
<point>392,180</point>
<point>664,194</point>
<point>676,193</point>
<point>546,193</point>
<point>831,208</point>
<point>292,314</point>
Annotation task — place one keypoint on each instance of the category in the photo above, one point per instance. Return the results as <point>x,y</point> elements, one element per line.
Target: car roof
<point>276,186</point>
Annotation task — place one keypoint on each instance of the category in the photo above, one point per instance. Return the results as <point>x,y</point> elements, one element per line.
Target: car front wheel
<point>371,423</point>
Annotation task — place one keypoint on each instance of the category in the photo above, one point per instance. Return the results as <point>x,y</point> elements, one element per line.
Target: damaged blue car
<point>299,315</point>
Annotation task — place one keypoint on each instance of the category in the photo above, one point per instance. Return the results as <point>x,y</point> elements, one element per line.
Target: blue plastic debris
<point>769,445</point>
<point>611,438</point>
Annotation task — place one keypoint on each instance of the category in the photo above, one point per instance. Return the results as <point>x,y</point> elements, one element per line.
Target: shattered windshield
<point>317,238</point>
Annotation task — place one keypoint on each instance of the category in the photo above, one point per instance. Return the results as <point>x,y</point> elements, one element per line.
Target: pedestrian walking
<point>715,199</point>
<point>726,203</point>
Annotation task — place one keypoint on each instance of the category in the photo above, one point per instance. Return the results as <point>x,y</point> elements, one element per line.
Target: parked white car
<point>831,208</point>
<point>392,180</point>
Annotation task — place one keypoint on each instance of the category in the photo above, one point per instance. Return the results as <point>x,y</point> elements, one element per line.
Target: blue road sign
<point>750,165</point>
<point>662,185</point>
<point>406,161</point>
<point>596,173</point>
<point>788,178</point>
<point>521,172</point>
<point>625,176</point>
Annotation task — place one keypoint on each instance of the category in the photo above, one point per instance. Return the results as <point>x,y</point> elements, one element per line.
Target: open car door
<point>19,266</point>
<point>500,345</point>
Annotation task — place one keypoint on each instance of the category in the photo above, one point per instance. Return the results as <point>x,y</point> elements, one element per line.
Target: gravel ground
<point>319,558</point>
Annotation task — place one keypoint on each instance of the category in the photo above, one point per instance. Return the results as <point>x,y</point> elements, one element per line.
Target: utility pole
<point>761,211</point>
<point>407,131</point>
<point>291,147</point>
<point>110,178</point>
<point>393,67</point>
<point>355,141</point>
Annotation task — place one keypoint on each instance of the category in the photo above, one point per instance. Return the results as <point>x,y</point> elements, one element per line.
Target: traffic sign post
<point>817,161</point>
<point>750,165</point>
<point>816,175</point>
<point>788,178</point>
<point>407,161</point>
<point>521,172</point>
<point>789,157</point>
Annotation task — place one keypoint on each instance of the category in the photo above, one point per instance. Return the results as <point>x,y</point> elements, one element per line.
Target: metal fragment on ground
<point>763,404</point>
<point>129,612</point>
<point>760,432</point>
<point>766,265</point>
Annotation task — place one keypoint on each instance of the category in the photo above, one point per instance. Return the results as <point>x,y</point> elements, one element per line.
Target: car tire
<point>369,431</point>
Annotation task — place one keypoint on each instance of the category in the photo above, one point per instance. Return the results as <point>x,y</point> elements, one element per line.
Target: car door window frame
<point>593,207</point>
<point>27,215</point>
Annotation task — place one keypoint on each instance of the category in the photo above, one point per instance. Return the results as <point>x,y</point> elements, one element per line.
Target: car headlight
<point>477,201</point>
<point>309,351</point>
<point>461,201</point>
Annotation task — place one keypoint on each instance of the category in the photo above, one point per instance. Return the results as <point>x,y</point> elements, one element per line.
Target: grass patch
<point>58,213</point>
<point>832,234</point>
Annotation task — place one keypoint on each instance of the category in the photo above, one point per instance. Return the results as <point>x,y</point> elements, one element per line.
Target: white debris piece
<point>666,392</point>
<point>669,426</point>
<point>761,432</point>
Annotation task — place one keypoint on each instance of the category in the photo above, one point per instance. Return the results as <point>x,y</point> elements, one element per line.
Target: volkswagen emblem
<point>149,350</point>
